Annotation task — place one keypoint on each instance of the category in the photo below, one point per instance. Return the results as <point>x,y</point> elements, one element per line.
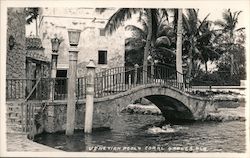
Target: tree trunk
<point>232,64</point>
<point>206,66</point>
<point>179,48</point>
<point>231,54</point>
<point>36,28</point>
<point>147,46</point>
<point>190,63</point>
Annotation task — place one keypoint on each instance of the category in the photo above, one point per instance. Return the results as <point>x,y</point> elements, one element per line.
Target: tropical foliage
<point>162,43</point>
<point>200,43</point>
<point>227,37</point>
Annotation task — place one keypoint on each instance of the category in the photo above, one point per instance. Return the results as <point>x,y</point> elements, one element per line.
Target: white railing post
<point>152,71</point>
<point>136,73</point>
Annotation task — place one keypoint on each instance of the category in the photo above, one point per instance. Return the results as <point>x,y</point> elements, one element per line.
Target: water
<point>148,133</point>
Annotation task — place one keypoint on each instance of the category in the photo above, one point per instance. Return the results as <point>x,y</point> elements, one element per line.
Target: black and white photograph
<point>125,78</point>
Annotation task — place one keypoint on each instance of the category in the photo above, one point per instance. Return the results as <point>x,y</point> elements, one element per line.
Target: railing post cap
<point>136,65</point>
<point>91,64</point>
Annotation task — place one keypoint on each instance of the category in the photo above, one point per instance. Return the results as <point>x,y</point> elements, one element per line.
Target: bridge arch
<point>174,104</point>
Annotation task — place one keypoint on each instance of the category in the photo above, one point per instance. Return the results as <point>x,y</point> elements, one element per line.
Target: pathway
<point>20,143</point>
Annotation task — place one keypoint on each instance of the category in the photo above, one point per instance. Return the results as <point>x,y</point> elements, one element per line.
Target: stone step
<point>14,121</point>
<point>13,115</point>
<point>14,129</point>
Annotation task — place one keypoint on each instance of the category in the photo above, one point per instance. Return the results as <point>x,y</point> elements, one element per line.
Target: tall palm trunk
<point>231,54</point>
<point>179,48</point>
<point>190,62</point>
<point>36,28</point>
<point>206,66</point>
<point>147,46</point>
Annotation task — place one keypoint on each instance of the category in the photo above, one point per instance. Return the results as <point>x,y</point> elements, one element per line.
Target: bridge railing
<point>121,79</point>
<point>81,88</point>
<point>47,88</point>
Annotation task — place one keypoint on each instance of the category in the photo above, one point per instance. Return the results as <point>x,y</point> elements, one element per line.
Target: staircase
<point>21,116</point>
<point>21,113</point>
<point>14,117</point>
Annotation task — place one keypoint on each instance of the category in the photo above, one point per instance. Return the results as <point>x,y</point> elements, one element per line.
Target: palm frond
<point>240,29</point>
<point>133,43</point>
<point>136,31</point>
<point>220,23</point>
<point>203,22</point>
<point>164,40</point>
<point>166,50</point>
<point>117,19</point>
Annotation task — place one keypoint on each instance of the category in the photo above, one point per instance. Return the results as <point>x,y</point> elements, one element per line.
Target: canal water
<point>149,133</point>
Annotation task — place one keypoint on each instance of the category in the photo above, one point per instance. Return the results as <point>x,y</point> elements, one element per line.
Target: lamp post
<point>74,36</point>
<point>55,42</point>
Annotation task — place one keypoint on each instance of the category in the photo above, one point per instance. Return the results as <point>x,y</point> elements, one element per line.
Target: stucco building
<point>106,50</point>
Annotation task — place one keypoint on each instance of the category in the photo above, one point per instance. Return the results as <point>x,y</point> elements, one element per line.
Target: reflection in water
<point>88,142</point>
<point>140,133</point>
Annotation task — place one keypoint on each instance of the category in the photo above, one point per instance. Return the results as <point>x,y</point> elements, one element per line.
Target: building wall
<point>55,22</point>
<point>15,62</point>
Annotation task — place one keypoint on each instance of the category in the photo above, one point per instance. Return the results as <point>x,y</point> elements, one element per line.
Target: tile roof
<point>33,43</point>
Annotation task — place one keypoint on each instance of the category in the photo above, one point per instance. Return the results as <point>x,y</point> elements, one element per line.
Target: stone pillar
<point>53,75</point>
<point>54,65</point>
<point>73,55</point>
<point>129,80</point>
<point>90,92</point>
<point>136,73</point>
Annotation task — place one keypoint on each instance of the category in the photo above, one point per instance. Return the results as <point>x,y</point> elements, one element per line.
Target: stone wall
<point>55,116</point>
<point>15,62</point>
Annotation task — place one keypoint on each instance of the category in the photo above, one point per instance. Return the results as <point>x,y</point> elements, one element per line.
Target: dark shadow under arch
<point>172,109</point>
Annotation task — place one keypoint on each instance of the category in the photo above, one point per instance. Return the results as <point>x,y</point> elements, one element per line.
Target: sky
<point>215,14</point>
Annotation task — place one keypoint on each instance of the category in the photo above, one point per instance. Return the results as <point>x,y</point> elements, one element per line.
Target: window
<point>102,32</point>
<point>61,73</point>
<point>60,84</point>
<point>102,57</point>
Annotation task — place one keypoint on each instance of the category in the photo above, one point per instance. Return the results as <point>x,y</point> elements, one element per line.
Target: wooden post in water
<point>73,55</point>
<point>90,92</point>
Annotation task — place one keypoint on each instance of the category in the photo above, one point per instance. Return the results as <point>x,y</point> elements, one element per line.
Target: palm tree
<point>161,44</point>
<point>197,40</point>
<point>32,13</point>
<point>205,44</point>
<point>228,27</point>
<point>122,15</point>
<point>179,48</point>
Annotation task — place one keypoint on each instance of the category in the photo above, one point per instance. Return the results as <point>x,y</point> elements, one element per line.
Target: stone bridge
<point>104,95</point>
<point>174,104</point>
<point>109,92</point>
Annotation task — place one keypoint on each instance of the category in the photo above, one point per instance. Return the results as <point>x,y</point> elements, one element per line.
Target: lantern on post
<point>55,43</point>
<point>74,36</point>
